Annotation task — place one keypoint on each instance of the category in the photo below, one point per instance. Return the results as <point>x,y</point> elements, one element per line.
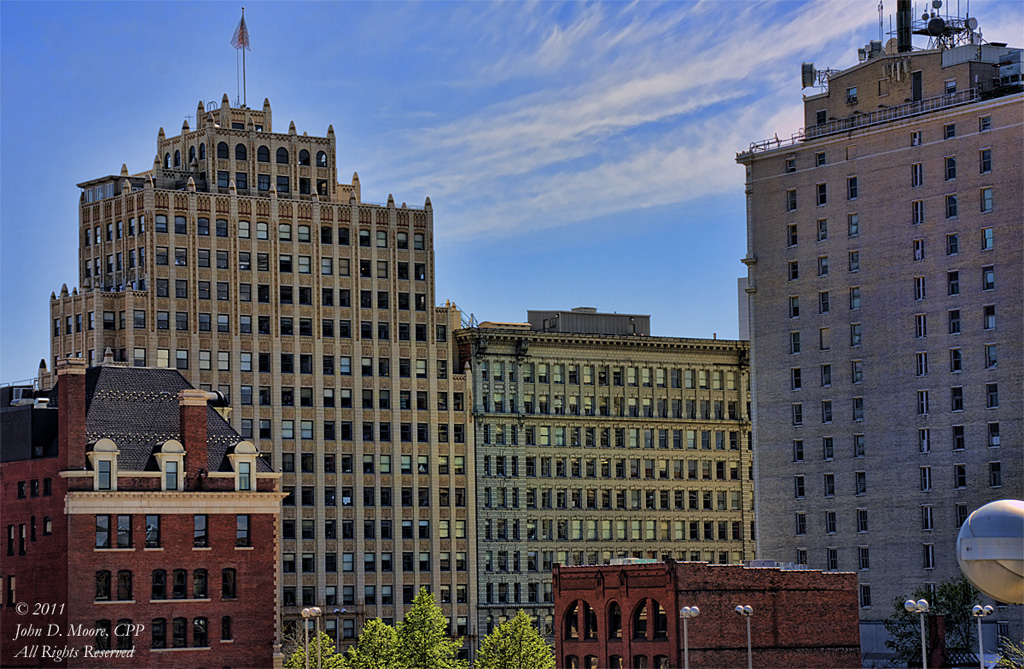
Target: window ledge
<point>202,548</point>
<point>244,548</point>
<point>114,550</point>
<point>114,601</point>
<point>158,548</point>
<point>173,650</point>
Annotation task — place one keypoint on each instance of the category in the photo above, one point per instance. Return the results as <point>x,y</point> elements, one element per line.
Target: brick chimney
<point>71,413</point>
<point>192,430</point>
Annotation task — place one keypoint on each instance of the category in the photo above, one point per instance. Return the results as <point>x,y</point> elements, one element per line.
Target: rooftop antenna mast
<point>240,40</point>
<point>879,20</point>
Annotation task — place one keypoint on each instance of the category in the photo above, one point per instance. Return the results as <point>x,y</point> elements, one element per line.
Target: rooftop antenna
<point>240,40</point>
<point>879,20</point>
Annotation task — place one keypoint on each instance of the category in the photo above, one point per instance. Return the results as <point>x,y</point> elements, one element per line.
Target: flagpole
<point>243,63</point>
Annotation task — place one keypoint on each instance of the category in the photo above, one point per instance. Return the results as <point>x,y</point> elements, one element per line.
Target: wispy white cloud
<point>624,106</point>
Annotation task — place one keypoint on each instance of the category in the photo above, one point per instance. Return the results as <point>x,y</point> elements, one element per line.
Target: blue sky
<point>574,153</point>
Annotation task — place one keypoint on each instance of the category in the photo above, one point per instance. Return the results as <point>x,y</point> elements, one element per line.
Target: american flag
<point>240,40</point>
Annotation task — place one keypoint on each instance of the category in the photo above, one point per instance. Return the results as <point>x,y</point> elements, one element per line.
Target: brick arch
<point>613,616</point>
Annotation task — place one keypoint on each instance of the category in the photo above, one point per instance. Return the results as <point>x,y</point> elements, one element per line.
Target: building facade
<point>594,446</point>
<point>141,529</point>
<point>627,615</point>
<point>885,246</point>
<point>240,261</point>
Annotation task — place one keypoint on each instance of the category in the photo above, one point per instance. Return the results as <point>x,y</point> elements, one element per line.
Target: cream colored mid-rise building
<point>597,442</point>
<point>240,260</point>
<point>885,266</point>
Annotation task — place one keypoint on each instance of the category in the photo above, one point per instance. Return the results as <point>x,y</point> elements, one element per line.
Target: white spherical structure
<point>990,550</point>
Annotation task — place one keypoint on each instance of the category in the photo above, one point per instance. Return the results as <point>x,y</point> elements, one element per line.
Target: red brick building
<point>141,529</point>
<point>619,616</point>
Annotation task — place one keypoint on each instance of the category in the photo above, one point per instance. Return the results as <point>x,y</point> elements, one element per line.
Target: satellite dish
<point>936,3</point>
<point>924,17</point>
<point>990,550</point>
<point>807,74</point>
<point>936,26</point>
<point>971,23</point>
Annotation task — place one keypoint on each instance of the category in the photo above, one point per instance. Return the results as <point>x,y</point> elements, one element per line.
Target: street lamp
<point>687,612</point>
<point>337,628</point>
<point>312,612</point>
<point>746,612</point>
<point>980,612</point>
<point>920,606</point>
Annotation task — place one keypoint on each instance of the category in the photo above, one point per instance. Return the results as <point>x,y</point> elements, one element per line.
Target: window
<point>794,270</point>
<point>950,168</point>
<point>916,175</point>
<point>822,229</point>
<point>791,199</point>
<point>798,414</point>
<point>920,326</point>
<point>992,395</point>
<point>823,266</point>
<point>949,131</point>
<point>917,212</point>
<point>851,188</point>
<point>995,474</point>
<point>915,138</point>
<point>790,165</point>
<point>798,487</point>
<point>919,288</point>
<point>989,317</point>
<point>851,95</point>
<point>855,334</point>
<point>953,283</point>
<point>985,161</point>
<point>794,306</point>
<point>794,342</point>
<point>988,277</point>
<point>823,302</point>
<point>986,200</point>
<point>791,235</point>
<point>822,194</point>
<point>951,209</point>
<point>926,479</point>
<point>200,536</point>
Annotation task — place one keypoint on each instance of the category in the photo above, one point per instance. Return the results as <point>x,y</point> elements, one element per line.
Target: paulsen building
<point>596,441</point>
<point>239,260</point>
<point>141,529</point>
<point>628,615</point>
<point>885,274</point>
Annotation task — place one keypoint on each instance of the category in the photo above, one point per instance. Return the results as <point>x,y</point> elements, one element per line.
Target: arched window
<point>571,622</point>
<point>179,583</point>
<point>615,662</point>
<point>102,586</point>
<point>191,153</point>
<point>614,621</point>
<point>382,239</point>
<point>261,230</point>
<point>304,233</point>
<point>590,662</point>
<point>124,585</point>
<point>177,158</point>
<point>660,623</point>
<point>226,634</point>
<point>640,662</point>
<point>159,584</point>
<point>222,150</point>
<point>661,662</point>
<point>199,590</point>
<point>199,633</point>
<point>284,232</point>
<point>589,622</point>
<point>321,159</point>
<point>167,161</point>
<point>572,662</point>
<point>179,628</point>
<point>326,235</point>
<point>240,153</point>
<point>229,587</point>
<point>158,629</point>
<point>263,154</point>
<point>202,152</point>
<point>123,631</point>
<point>303,157</point>
<point>640,622</point>
<point>282,156</point>
<point>102,635</point>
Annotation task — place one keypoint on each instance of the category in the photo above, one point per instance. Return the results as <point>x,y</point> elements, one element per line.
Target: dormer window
<point>103,458</point>
<point>243,461</point>
<point>171,459</point>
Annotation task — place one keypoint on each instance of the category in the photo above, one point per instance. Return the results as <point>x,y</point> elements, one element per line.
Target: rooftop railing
<point>860,120</point>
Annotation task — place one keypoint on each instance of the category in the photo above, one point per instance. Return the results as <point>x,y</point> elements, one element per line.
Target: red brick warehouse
<point>141,529</point>
<point>619,616</point>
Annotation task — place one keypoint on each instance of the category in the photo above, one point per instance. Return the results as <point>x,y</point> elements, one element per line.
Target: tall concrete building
<point>885,245</point>
<point>596,441</point>
<point>241,261</point>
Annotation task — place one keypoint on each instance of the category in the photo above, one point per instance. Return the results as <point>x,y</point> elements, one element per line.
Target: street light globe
<point>739,610</point>
<point>306,613</point>
<point>922,605</point>
<point>747,611</point>
<point>910,605</point>
<point>990,550</point>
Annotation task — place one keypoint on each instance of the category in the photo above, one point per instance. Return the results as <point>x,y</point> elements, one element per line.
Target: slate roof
<point>137,409</point>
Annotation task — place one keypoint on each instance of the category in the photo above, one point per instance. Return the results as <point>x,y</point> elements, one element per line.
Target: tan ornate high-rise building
<point>596,441</point>
<point>885,263</point>
<point>240,260</point>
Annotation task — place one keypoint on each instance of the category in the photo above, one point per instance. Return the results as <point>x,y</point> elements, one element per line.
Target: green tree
<point>327,657</point>
<point>377,648</point>
<point>516,644</point>
<point>423,641</point>
<point>1011,654</point>
<point>953,599</point>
